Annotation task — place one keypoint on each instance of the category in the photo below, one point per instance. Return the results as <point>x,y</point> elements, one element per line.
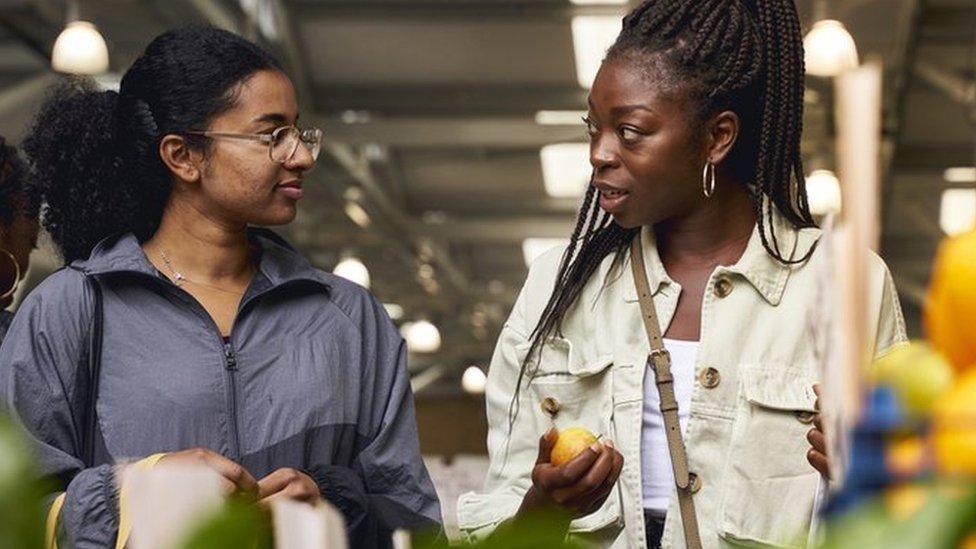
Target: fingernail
<point>609,443</point>
<point>595,447</point>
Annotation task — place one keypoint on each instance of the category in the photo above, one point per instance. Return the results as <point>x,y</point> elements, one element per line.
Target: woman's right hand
<point>579,486</point>
<point>235,478</point>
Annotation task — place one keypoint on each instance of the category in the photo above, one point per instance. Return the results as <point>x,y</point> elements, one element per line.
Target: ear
<point>182,161</point>
<point>723,131</point>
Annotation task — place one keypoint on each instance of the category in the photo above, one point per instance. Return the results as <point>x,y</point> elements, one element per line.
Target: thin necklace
<point>179,279</point>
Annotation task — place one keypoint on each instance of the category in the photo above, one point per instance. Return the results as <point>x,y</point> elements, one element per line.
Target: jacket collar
<point>766,274</point>
<point>279,262</point>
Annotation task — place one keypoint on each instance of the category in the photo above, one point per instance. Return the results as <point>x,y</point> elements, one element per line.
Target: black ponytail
<point>95,156</point>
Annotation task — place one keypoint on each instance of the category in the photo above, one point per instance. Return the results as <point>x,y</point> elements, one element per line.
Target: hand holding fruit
<point>573,472</point>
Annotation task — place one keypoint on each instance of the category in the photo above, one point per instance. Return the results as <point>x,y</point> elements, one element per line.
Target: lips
<point>291,189</point>
<point>612,198</point>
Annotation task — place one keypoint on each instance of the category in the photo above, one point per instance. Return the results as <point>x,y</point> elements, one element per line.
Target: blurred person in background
<point>18,228</point>
<point>695,123</point>
<point>210,342</point>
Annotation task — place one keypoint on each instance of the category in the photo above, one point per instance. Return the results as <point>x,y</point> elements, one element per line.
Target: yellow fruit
<point>954,423</point>
<point>571,443</point>
<point>918,374</point>
<point>951,305</point>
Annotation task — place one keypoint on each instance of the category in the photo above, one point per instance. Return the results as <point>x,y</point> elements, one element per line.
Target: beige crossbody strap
<point>660,362</point>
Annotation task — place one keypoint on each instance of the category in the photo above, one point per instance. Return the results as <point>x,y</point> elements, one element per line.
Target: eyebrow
<point>274,118</point>
<point>625,109</point>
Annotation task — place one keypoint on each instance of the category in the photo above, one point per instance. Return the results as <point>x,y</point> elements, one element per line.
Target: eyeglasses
<point>282,143</point>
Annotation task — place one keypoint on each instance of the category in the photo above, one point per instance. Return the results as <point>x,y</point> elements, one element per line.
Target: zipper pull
<point>229,356</point>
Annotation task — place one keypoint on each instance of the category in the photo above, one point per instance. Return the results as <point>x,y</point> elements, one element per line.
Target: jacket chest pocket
<point>570,390</point>
<point>770,487</point>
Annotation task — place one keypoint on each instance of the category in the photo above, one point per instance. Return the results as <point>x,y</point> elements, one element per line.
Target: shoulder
<point>359,306</point>
<point>65,291</point>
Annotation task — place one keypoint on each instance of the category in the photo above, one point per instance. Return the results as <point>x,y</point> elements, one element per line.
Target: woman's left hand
<point>817,455</point>
<point>289,484</point>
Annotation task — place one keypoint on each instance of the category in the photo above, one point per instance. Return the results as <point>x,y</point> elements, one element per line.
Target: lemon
<point>951,305</point>
<point>571,442</point>
<point>918,374</point>
<point>954,428</point>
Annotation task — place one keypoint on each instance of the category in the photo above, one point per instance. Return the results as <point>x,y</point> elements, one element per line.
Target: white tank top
<point>657,476</point>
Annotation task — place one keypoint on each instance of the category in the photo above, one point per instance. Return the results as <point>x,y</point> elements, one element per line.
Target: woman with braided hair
<point>675,323</point>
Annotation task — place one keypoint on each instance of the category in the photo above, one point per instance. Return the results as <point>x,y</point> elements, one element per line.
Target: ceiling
<point>429,105</point>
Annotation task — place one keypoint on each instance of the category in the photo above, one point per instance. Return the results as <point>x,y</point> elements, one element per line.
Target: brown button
<point>550,406</point>
<point>723,286</point>
<point>709,378</point>
<point>805,416</point>
<point>694,482</point>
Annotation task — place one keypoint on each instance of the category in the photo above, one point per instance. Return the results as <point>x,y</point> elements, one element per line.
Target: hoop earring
<point>708,180</point>
<point>13,288</point>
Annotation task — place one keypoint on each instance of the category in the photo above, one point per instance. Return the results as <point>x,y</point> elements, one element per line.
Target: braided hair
<point>739,55</point>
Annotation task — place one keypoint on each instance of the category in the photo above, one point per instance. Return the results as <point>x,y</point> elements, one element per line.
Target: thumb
<point>546,443</point>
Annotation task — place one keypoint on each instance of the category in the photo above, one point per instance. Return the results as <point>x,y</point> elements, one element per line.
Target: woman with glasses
<point>180,333</point>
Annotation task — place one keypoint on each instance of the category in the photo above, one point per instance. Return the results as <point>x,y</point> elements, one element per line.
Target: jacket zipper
<point>230,365</point>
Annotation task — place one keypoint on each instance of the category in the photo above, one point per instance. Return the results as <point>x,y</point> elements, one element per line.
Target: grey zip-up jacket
<point>313,378</point>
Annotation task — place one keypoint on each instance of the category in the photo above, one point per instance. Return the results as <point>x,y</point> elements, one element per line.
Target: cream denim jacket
<point>750,410</point>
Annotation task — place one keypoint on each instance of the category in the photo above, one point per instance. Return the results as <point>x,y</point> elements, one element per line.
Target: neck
<point>714,233</point>
<point>199,246</point>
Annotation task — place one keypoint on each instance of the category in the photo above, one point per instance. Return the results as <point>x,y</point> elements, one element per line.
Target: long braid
<point>744,55</point>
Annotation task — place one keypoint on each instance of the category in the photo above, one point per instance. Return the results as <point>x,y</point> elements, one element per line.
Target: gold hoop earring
<point>16,283</point>
<point>708,180</point>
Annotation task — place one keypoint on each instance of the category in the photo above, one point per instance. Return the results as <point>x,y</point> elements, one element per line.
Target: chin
<point>627,220</point>
<point>277,216</point>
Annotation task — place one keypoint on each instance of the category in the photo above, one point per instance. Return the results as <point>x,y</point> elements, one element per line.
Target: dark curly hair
<point>95,153</point>
<point>15,200</point>
<point>741,55</point>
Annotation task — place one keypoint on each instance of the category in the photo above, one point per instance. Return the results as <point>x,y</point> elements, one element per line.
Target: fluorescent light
<point>961,174</point>
<point>357,214</point>
<point>830,49</point>
<point>592,36</point>
<point>560,118</point>
<point>354,270</point>
<point>473,380</point>
<point>566,169</point>
<point>80,49</point>
<point>823,192</point>
<point>532,248</point>
<point>958,212</point>
<point>421,336</point>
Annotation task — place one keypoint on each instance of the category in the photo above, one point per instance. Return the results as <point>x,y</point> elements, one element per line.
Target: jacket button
<point>709,378</point>
<point>550,406</point>
<point>805,416</point>
<point>694,483</point>
<point>723,286</point>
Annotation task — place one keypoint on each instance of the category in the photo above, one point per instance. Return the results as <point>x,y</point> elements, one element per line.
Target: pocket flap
<point>559,356</point>
<point>779,389</point>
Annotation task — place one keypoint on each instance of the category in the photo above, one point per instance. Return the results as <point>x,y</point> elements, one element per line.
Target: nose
<point>602,153</point>
<point>302,159</point>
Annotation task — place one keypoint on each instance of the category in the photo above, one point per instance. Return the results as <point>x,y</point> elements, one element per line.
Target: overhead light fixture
<point>830,49</point>
<point>394,311</point>
<point>560,118</point>
<point>958,211</point>
<point>421,336</point>
<point>80,49</point>
<point>353,269</point>
<point>532,248</point>
<point>823,192</point>
<point>961,174</point>
<point>566,169</point>
<point>357,214</point>
<point>473,380</point>
<point>592,36</point>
